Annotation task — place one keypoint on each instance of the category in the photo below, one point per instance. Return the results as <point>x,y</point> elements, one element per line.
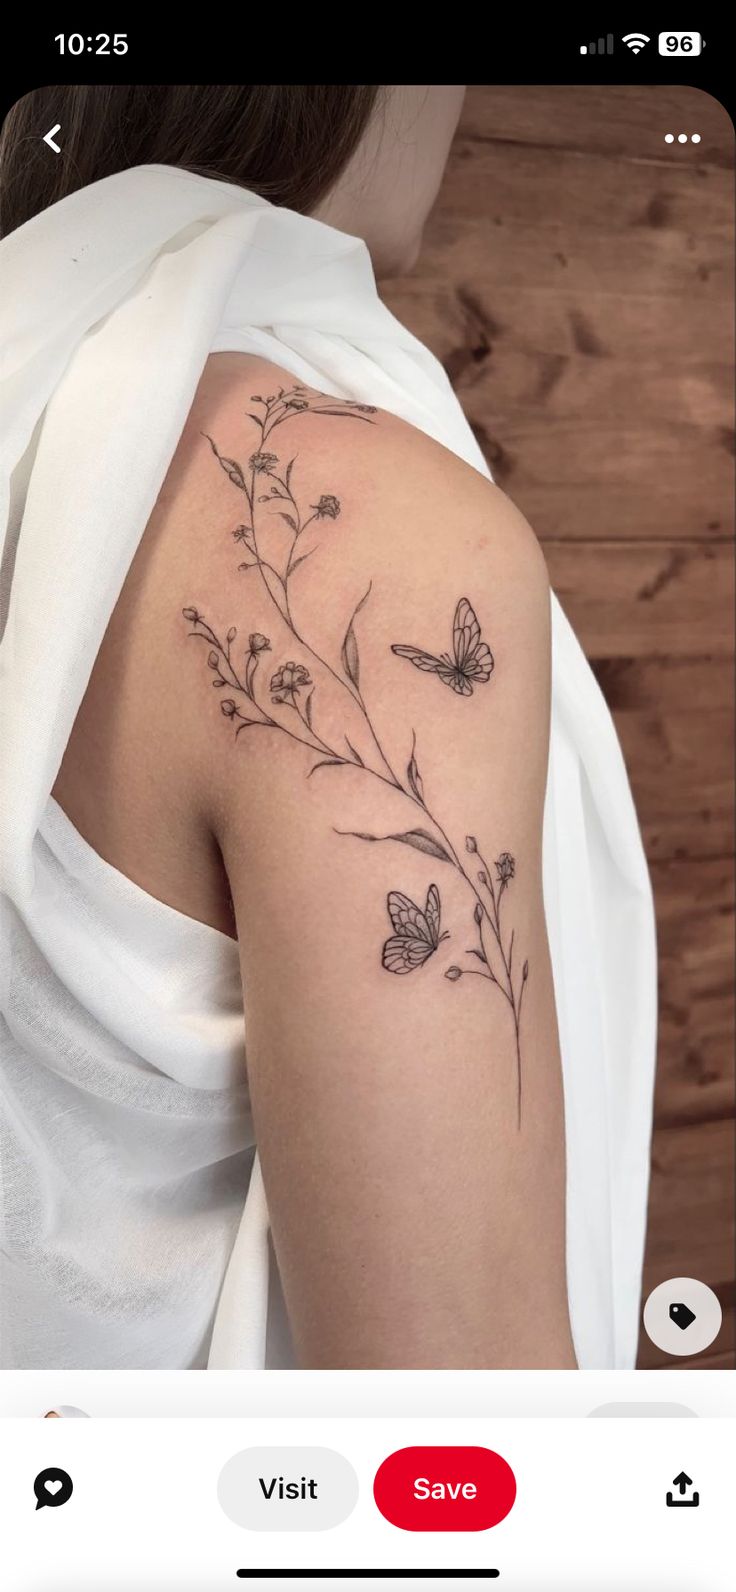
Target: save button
<point>444,1489</point>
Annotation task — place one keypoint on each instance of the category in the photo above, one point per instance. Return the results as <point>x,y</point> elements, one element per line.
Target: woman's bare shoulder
<point>284,502</point>
<point>247,407</point>
<point>280,499</point>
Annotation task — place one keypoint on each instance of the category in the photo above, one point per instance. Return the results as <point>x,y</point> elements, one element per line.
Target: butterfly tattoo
<point>473,660</point>
<point>416,933</point>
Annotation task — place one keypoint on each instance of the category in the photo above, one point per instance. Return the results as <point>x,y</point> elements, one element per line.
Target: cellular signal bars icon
<point>603,47</point>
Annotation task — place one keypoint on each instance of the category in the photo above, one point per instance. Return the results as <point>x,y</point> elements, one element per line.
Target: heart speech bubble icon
<point>52,1488</point>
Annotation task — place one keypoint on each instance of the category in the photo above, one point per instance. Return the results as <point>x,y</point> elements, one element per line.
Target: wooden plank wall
<point>576,282</point>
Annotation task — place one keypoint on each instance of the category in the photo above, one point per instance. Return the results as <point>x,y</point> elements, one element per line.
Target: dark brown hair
<point>287,142</point>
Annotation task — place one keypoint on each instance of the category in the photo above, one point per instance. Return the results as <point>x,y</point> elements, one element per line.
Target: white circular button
<point>682,1316</point>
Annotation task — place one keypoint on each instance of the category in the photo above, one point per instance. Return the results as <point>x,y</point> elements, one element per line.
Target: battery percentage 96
<point>681,43</point>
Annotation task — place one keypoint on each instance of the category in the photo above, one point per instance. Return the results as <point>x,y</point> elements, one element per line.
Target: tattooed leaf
<point>308,709</point>
<point>413,775</point>
<point>355,755</point>
<point>480,954</point>
<point>415,779</point>
<point>230,466</point>
<point>350,655</point>
<point>418,838</point>
<point>349,413</point>
<point>291,522</point>
<point>289,469</point>
<point>234,471</point>
<point>302,559</point>
<point>422,841</point>
<point>327,762</point>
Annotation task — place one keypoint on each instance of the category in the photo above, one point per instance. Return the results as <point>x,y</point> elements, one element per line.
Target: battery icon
<point>681,44</point>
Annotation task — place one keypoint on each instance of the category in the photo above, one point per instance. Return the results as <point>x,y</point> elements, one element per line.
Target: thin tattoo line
<point>328,507</point>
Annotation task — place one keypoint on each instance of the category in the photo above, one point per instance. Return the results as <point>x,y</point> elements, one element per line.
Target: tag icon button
<point>682,1316</point>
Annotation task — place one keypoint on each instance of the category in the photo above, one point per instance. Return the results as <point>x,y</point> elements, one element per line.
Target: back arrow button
<point>49,138</point>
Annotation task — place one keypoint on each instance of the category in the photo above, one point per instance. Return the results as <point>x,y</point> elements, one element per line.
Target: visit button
<point>444,1489</point>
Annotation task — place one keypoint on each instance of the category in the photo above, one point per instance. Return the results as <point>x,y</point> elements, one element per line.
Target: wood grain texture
<point>691,1214</point>
<point>576,283</point>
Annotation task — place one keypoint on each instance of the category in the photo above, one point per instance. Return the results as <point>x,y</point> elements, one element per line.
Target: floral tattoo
<point>290,685</point>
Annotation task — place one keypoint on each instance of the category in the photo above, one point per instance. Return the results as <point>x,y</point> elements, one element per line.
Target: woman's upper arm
<point>376,630</point>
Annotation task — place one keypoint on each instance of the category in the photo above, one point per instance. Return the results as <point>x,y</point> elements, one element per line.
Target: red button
<point>444,1489</point>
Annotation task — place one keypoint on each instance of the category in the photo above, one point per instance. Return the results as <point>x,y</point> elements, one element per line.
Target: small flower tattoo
<point>328,507</point>
<point>505,867</point>
<point>287,682</point>
<point>261,463</point>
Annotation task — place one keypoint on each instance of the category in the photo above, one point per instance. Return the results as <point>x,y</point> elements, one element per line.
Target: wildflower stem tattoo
<point>266,485</point>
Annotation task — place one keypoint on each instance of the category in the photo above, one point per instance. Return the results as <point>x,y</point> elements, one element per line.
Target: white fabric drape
<point>122,1041</point>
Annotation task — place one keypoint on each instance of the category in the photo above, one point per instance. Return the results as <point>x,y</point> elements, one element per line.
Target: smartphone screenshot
<point>366,814</point>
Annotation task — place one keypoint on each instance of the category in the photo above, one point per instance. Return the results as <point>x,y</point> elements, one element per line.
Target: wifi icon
<point>635,41</point>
